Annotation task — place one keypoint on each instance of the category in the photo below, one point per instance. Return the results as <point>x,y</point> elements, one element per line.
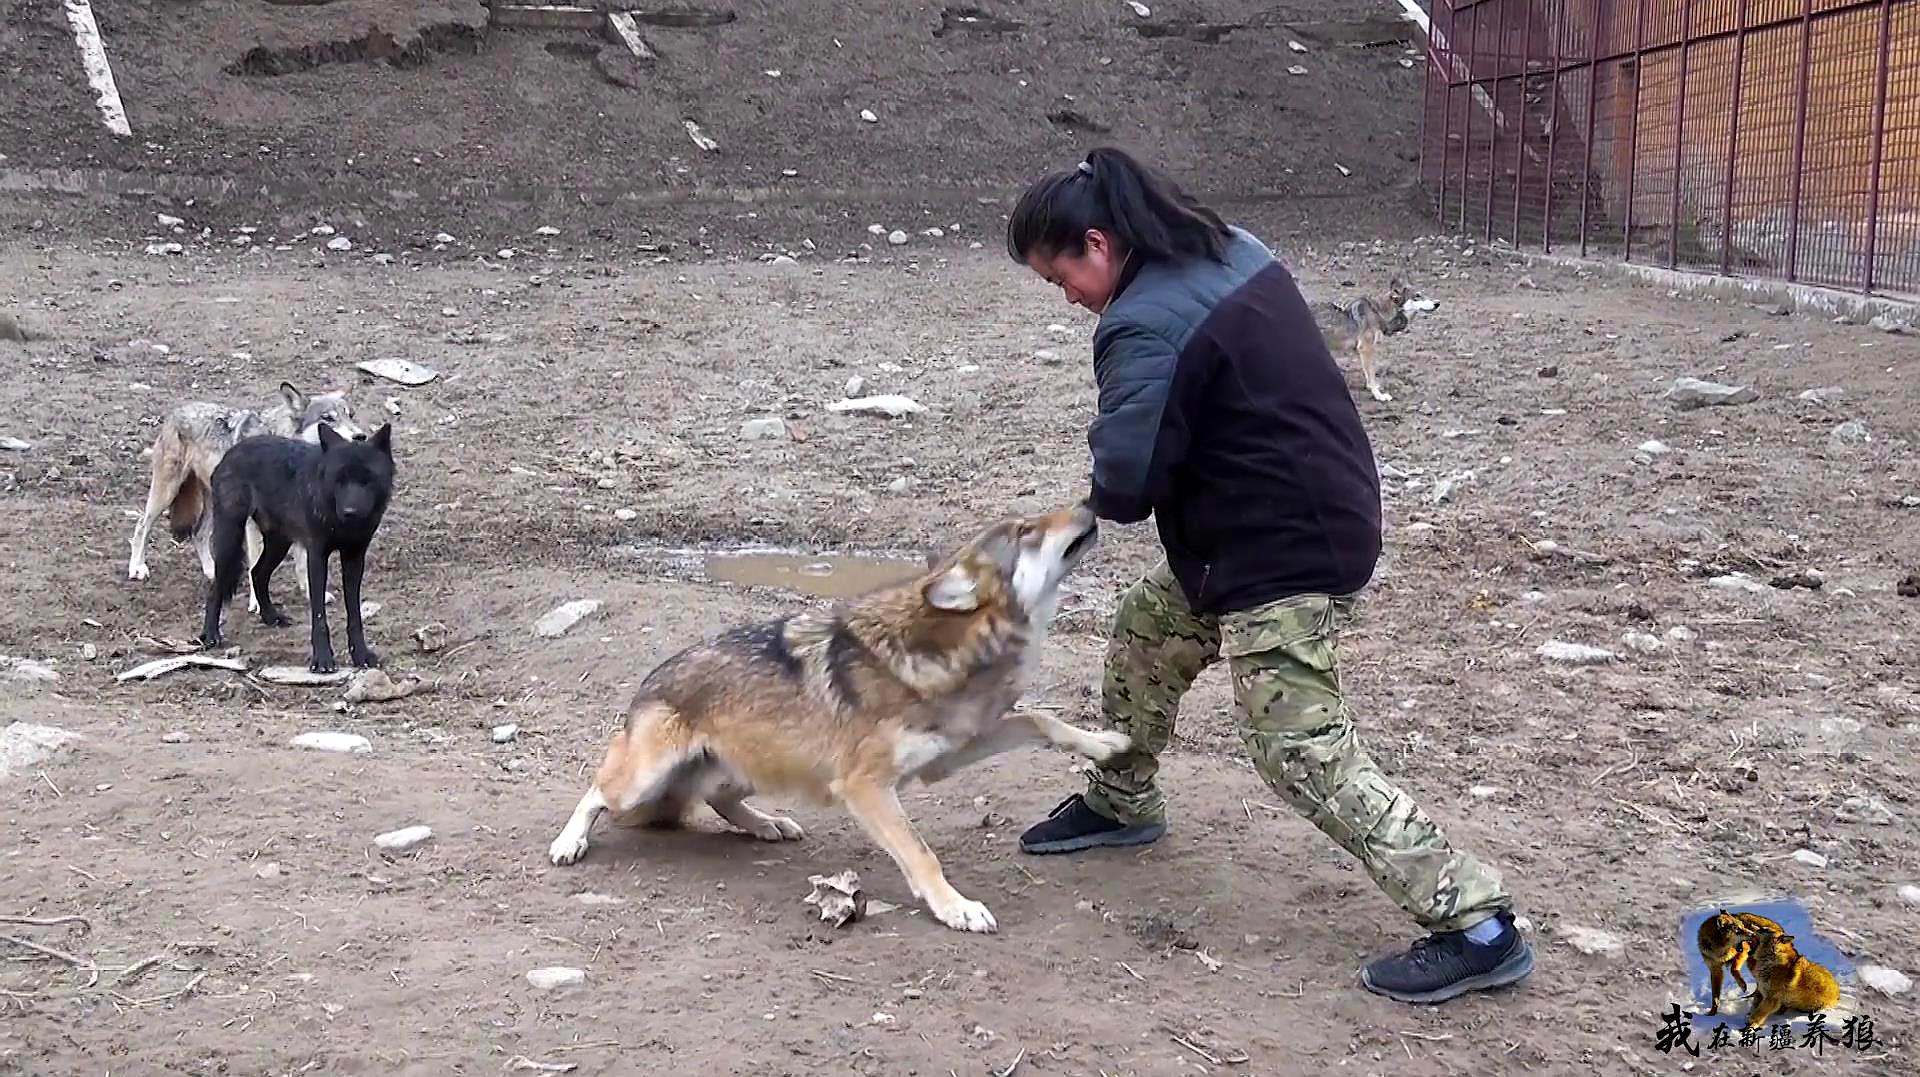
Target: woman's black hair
<point>1146,213</point>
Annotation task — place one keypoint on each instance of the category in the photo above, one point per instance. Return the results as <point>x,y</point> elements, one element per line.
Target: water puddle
<point>829,576</point>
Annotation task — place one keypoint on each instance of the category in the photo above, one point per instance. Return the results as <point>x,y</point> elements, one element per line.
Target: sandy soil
<point>1615,797</point>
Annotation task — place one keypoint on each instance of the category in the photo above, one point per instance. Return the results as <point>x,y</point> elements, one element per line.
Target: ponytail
<point>1146,213</point>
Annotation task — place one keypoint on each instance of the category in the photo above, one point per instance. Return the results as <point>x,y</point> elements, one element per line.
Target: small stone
<point>625,515</point>
<point>1573,654</point>
<point>269,870</point>
<point>383,259</point>
<point>89,652</point>
<point>1737,581</point>
<point>1809,858</point>
<point>175,737</point>
<point>340,243</point>
<point>900,485</point>
<point>15,445</point>
<point>763,429</point>
<point>884,1020</point>
<point>1483,791</point>
<point>897,237</point>
<point>546,230</point>
<point>1910,894</point>
<point>1886,981</point>
<point>1059,332</point>
<point>442,237</point>
<point>1296,46</point>
<point>504,734</point>
<point>1642,642</point>
<point>591,898</point>
<point>867,115</point>
<point>1047,356</point>
<point>1593,941</point>
<point>1681,634</point>
<point>1871,810</point>
<point>1851,434</point>
<point>1822,395</point>
<point>27,744</point>
<point>168,221</point>
<point>555,978</point>
<point>323,230</point>
<point>1654,448</point>
<point>1690,393</point>
<point>333,742</point>
<point>399,370</point>
<point>855,384</point>
<point>891,405</point>
<point>1296,69</point>
<point>403,839</point>
<point>558,620</point>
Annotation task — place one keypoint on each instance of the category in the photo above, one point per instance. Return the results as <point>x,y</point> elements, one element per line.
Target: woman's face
<point>1087,279</point>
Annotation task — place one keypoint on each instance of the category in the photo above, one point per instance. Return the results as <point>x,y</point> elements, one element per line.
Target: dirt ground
<point>1614,797</point>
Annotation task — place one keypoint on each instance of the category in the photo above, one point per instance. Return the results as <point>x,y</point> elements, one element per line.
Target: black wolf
<point>325,497</point>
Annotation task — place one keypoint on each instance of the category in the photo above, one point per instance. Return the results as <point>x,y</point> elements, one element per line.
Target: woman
<point>1223,415</point>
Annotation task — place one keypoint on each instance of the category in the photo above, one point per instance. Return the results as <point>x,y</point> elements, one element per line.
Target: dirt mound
<point>752,112</point>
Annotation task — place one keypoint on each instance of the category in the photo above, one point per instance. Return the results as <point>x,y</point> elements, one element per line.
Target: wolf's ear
<point>383,438</point>
<point>296,400</point>
<point>330,438</point>
<point>953,591</point>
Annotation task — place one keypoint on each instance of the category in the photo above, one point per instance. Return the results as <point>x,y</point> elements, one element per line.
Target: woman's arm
<point>1136,440</point>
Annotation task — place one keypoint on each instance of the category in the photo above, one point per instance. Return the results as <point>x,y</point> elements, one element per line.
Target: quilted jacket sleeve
<point>1133,447</point>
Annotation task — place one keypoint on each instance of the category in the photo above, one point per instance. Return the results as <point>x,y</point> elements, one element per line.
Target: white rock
<point>625,515</point>
<point>164,248</point>
<point>89,652</point>
<point>1578,654</point>
<point>1593,941</point>
<point>383,259</point>
<point>323,230</point>
<point>1889,982</point>
<point>546,230</point>
<point>339,243</point>
<point>883,1019</point>
<point>1865,810</point>
<point>333,742</point>
<point>175,737</point>
<point>504,733</point>
<point>1849,435</point>
<point>1297,69</point>
<point>269,870</point>
<point>762,429</point>
<point>302,677</point>
<point>888,404</point>
<point>1059,332</point>
<point>403,839</point>
<point>15,445</point>
<point>1738,581</point>
<point>1809,858</point>
<point>591,898</point>
<point>1642,642</point>
<point>855,384</point>
<point>1047,356</point>
<point>556,977</point>
<point>1483,791</point>
<point>563,617</point>
<point>897,237</point>
<point>1139,8</point>
<point>1296,46</point>
<point>900,485</point>
<point>442,237</point>
<point>1910,894</point>
<point>26,744</point>
<point>1682,634</point>
<point>1821,395</point>
<point>22,669</point>
<point>399,370</point>
<point>1689,393</point>
<point>1654,448</point>
<point>867,115</point>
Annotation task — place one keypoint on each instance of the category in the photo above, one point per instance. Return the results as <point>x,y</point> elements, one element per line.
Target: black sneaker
<point>1447,965</point>
<point>1072,826</point>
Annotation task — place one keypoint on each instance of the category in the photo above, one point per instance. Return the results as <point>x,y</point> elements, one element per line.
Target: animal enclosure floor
<point>583,439</point>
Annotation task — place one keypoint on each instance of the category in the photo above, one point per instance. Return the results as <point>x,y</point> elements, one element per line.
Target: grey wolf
<point>1356,327</point>
<point>912,681</point>
<point>327,497</point>
<point>1222,413</point>
<point>192,440</point>
<point>1725,941</point>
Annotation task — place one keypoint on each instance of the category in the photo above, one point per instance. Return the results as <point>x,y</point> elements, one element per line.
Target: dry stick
<point>45,921</point>
<point>1196,1050</point>
<point>1014,1065</point>
<point>48,951</point>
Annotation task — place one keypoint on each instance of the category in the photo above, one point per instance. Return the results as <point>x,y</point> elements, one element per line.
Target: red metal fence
<point>1761,138</point>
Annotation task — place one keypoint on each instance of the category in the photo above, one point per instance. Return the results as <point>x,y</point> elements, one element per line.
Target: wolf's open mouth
<point>1079,546</point>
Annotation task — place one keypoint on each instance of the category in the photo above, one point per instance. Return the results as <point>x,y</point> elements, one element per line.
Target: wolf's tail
<point>229,556</point>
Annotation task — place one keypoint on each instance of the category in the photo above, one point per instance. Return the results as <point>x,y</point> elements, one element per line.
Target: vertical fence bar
<point>1553,123</point>
<point>1596,33</point>
<point>1495,121</point>
<point>1800,141</point>
<point>1633,132</point>
<point>1733,139</point>
<point>1466,139</point>
<point>1879,145</point>
<point>1435,51</point>
<point>1426,100</point>
<point>1679,136</point>
<point>1520,155</point>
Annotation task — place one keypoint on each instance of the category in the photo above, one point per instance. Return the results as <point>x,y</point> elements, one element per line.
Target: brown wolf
<point>1787,980</point>
<point>913,681</point>
<point>189,446</point>
<point>1726,943</point>
<point>1356,328</point>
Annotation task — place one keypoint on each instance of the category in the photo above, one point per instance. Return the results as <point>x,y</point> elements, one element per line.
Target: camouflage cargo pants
<point>1286,687</point>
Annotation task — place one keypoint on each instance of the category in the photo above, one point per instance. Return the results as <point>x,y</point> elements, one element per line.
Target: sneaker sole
<point>1509,972</point>
<point>1134,835</point>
